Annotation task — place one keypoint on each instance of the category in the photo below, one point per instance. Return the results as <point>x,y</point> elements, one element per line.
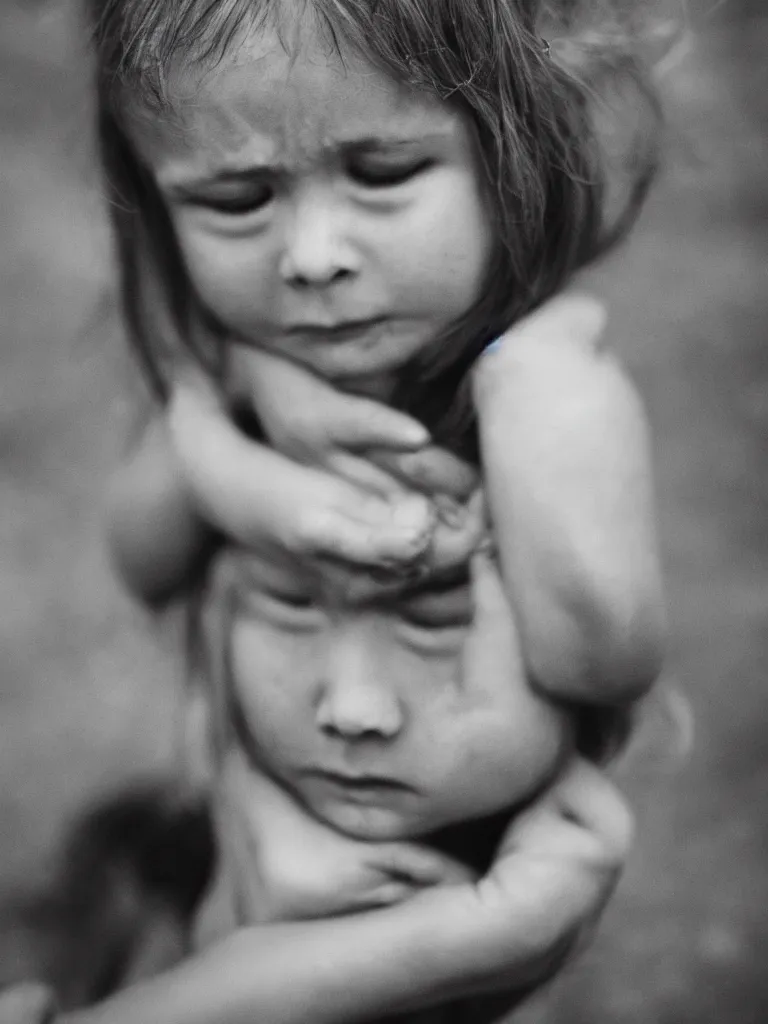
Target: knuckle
<point>313,528</point>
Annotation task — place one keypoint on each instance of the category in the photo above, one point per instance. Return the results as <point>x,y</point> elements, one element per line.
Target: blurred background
<point>87,685</point>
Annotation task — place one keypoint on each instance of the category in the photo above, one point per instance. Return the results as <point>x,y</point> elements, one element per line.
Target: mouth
<point>346,330</point>
<point>360,784</point>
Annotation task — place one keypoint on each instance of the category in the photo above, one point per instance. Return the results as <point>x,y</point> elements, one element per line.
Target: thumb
<point>582,815</point>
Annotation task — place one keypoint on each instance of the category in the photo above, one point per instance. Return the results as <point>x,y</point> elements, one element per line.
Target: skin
<point>560,860</point>
<point>368,705</point>
<point>293,223</point>
<point>508,932</point>
<point>360,719</point>
<point>324,211</point>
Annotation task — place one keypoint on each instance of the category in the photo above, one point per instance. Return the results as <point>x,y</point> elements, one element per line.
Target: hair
<point>568,137</point>
<point>546,119</point>
<point>123,893</point>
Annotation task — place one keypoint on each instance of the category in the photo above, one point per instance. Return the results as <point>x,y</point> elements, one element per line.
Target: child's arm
<point>506,933</point>
<point>568,480</point>
<point>158,540</point>
<point>193,468</point>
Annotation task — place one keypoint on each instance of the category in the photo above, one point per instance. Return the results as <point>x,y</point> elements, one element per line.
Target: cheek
<point>509,752</point>
<point>530,743</point>
<point>232,277</point>
<point>273,678</point>
<point>444,258</point>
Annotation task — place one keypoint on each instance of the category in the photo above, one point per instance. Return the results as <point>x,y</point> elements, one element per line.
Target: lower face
<point>323,210</point>
<point>384,729</point>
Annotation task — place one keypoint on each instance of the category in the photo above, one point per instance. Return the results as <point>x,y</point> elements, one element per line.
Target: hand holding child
<point>294,867</point>
<point>566,470</point>
<point>195,473</point>
<point>365,443</point>
<point>554,872</point>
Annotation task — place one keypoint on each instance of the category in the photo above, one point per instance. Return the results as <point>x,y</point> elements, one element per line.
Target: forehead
<point>285,96</point>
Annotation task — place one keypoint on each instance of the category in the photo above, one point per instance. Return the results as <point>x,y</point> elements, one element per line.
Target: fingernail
<point>415,434</point>
<point>449,511</point>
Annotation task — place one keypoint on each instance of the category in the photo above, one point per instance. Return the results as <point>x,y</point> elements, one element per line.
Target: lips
<point>360,783</point>
<point>344,331</point>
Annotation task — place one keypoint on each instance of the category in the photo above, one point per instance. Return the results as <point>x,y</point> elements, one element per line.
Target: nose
<point>316,253</point>
<point>356,702</point>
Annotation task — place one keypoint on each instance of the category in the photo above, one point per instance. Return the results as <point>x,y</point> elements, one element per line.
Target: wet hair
<point>567,137</point>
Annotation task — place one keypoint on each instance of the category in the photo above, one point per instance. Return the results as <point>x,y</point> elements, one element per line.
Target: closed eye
<point>289,609</point>
<point>381,174</point>
<point>451,608</point>
<point>234,203</point>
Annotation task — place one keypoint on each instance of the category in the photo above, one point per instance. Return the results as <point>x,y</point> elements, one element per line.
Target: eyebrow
<point>244,173</point>
<point>273,570</point>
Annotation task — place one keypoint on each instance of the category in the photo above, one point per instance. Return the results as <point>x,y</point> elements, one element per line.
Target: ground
<point>87,686</point>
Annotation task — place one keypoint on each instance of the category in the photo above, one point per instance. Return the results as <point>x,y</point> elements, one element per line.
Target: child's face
<point>324,211</point>
<point>388,716</point>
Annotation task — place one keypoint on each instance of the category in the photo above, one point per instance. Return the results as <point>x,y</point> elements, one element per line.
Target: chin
<point>372,824</point>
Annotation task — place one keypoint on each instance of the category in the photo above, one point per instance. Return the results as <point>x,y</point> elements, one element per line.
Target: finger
<point>432,471</point>
<point>459,531</point>
<point>252,493</point>
<point>385,895</point>
<point>361,470</point>
<point>360,423</point>
<point>585,797</point>
<point>370,532</point>
<point>255,375</point>
<point>581,816</point>
<point>266,381</point>
<point>419,865</point>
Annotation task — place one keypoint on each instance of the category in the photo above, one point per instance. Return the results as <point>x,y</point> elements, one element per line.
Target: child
<point>490,129</point>
<point>351,722</point>
<point>319,241</point>
<point>347,716</point>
